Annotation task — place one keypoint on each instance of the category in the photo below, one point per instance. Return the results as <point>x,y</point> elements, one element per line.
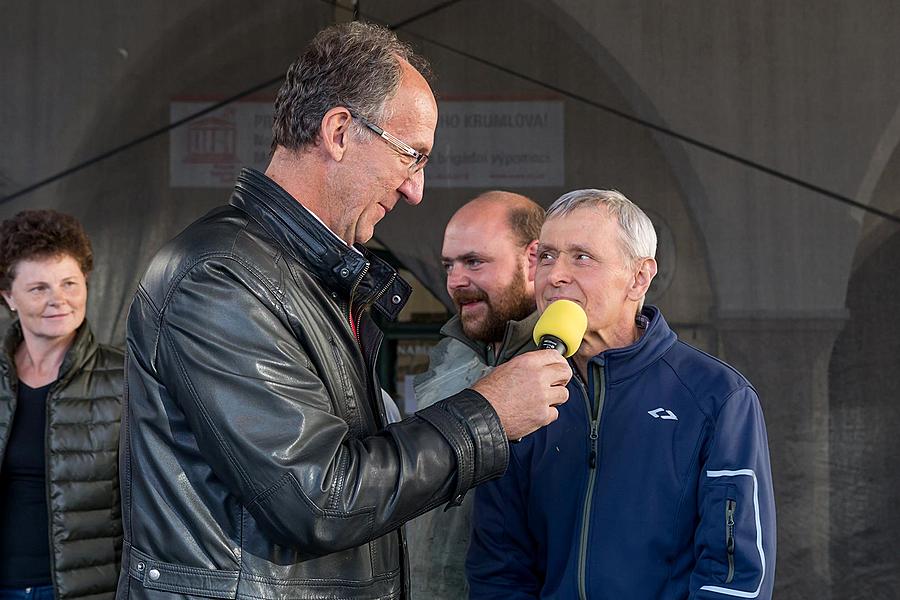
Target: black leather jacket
<point>82,441</point>
<point>255,458</point>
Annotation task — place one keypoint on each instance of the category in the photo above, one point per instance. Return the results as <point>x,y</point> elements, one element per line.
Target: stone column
<point>786,358</point>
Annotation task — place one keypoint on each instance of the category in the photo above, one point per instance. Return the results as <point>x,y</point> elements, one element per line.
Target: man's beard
<point>511,304</point>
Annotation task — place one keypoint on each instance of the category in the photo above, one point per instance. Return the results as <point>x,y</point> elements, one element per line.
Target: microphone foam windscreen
<point>564,320</point>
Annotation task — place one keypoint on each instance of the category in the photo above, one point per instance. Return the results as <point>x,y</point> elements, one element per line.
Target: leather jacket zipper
<point>374,359</point>
<point>354,326</point>
<point>385,287</point>
<point>730,506</point>
<point>594,409</point>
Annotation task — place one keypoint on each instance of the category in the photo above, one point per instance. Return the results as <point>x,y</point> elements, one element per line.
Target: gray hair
<point>355,65</point>
<point>638,236</point>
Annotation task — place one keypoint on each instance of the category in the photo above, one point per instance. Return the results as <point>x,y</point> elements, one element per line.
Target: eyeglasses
<point>419,159</point>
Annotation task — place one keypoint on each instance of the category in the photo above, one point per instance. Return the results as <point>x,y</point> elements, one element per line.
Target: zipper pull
<point>730,506</point>
<point>592,458</point>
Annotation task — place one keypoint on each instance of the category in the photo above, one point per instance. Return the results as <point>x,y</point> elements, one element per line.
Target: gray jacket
<point>439,539</point>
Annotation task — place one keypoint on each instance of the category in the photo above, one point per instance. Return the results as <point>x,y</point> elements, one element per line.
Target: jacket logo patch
<point>662,413</point>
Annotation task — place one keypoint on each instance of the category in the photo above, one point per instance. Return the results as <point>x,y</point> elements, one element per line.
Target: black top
<point>24,528</point>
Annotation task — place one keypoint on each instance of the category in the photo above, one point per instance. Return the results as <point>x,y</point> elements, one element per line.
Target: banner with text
<point>504,144</point>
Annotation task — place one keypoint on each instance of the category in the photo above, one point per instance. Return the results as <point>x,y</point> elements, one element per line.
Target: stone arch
<point>863,385</point>
<point>640,105</point>
<point>880,180</point>
<point>864,420</point>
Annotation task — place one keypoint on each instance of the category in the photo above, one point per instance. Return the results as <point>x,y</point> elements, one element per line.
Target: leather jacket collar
<point>363,278</point>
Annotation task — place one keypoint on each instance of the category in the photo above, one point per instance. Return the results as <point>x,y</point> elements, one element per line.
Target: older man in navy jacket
<point>654,483</point>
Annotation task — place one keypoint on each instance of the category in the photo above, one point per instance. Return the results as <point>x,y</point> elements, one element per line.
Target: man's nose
<point>559,273</point>
<point>456,279</point>
<point>413,187</point>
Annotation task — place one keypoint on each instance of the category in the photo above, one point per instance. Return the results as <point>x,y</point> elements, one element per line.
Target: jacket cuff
<point>472,428</point>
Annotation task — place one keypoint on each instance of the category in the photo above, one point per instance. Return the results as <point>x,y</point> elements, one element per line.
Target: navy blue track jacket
<point>654,483</point>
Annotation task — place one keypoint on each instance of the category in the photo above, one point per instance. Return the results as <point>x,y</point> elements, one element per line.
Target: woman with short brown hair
<point>60,407</point>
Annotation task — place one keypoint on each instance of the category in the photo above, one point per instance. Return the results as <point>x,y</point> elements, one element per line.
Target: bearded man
<point>489,257</point>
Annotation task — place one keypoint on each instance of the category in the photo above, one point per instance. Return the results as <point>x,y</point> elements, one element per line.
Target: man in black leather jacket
<point>256,459</point>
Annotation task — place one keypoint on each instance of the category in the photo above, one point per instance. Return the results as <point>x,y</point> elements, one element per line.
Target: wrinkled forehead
<point>461,243</point>
<point>474,232</point>
<point>412,112</point>
<point>584,223</point>
<point>585,229</point>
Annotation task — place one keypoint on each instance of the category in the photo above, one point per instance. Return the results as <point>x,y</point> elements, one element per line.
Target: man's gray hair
<point>355,65</point>
<point>637,233</point>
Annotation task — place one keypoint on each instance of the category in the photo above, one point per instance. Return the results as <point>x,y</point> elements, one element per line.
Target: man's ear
<point>334,132</point>
<point>531,254</point>
<point>645,273</point>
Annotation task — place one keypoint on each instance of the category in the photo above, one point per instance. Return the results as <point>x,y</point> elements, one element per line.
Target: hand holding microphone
<point>526,390</point>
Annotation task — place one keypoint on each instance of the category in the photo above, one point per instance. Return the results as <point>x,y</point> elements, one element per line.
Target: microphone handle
<point>550,342</point>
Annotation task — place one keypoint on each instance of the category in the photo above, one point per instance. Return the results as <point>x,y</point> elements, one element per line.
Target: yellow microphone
<point>561,327</point>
